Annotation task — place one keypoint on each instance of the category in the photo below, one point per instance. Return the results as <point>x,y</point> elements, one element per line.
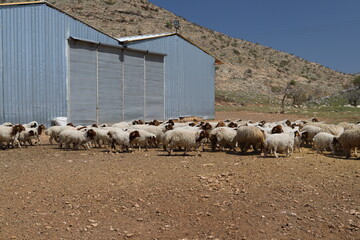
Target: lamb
<point>323,141</point>
<point>31,133</point>
<point>9,135</point>
<point>145,139</point>
<point>183,138</point>
<point>76,138</point>
<point>349,140</point>
<point>308,132</point>
<point>224,137</point>
<point>122,138</point>
<point>247,136</point>
<point>279,142</point>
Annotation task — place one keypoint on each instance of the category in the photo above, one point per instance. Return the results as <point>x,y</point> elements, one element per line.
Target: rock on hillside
<point>250,71</point>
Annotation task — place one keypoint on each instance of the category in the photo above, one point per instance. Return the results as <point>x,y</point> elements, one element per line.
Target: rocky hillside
<point>250,73</point>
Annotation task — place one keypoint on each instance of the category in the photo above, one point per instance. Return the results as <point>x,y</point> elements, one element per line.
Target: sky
<point>322,31</point>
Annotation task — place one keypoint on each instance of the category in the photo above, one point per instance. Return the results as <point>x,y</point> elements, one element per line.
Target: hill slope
<point>250,72</point>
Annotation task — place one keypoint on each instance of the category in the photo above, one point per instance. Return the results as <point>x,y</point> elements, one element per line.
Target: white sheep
<point>279,142</point>
<point>101,137</point>
<point>122,138</point>
<point>223,137</point>
<point>77,138</point>
<point>33,124</point>
<point>158,131</point>
<point>348,140</point>
<point>323,141</point>
<point>54,132</point>
<point>122,125</point>
<point>144,140</point>
<point>247,136</point>
<point>10,135</point>
<point>183,138</point>
<point>28,134</point>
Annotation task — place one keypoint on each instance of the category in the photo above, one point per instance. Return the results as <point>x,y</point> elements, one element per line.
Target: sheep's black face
<point>90,134</point>
<point>207,126</point>
<point>232,125</point>
<point>31,133</point>
<point>335,141</point>
<point>304,135</point>
<point>133,135</point>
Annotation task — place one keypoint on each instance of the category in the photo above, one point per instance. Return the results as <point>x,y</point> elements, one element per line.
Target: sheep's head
<point>203,134</point>
<point>335,141</point>
<point>94,125</point>
<point>192,124</point>
<point>16,129</point>
<point>314,119</point>
<point>31,133</point>
<point>169,127</point>
<point>232,125</point>
<point>134,135</point>
<point>297,134</point>
<point>171,122</point>
<point>288,123</point>
<point>33,124</point>
<point>304,135</point>
<point>70,124</point>
<point>91,134</point>
<point>220,124</point>
<point>206,126</point>
<point>40,129</point>
<point>277,129</point>
<point>262,123</point>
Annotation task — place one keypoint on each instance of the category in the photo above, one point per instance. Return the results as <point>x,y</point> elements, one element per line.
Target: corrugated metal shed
<point>33,61</point>
<point>189,74</point>
<point>52,65</point>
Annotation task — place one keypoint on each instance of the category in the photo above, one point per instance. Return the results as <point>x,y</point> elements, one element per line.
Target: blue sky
<point>322,31</point>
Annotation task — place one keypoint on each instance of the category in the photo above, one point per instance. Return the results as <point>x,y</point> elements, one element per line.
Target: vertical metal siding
<point>154,87</point>
<point>133,85</point>
<point>110,86</point>
<point>34,70</point>
<point>189,77</point>
<point>83,83</point>
<point>1,72</point>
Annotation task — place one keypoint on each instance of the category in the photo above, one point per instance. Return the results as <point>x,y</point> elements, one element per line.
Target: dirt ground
<point>49,193</point>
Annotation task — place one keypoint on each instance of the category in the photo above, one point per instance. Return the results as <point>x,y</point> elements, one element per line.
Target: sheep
<point>183,138</point>
<point>26,136</point>
<point>33,124</point>
<point>9,135</point>
<point>279,142</point>
<point>101,137</point>
<point>145,139</point>
<point>54,132</point>
<point>250,135</point>
<point>308,132</point>
<point>122,138</point>
<point>323,141</point>
<point>158,131</point>
<point>76,138</point>
<point>349,140</point>
<point>31,133</point>
<point>122,125</point>
<point>224,137</point>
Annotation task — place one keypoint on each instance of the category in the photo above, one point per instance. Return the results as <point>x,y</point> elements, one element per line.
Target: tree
<point>356,82</point>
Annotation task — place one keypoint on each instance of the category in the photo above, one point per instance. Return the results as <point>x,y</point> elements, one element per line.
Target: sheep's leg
<point>275,149</point>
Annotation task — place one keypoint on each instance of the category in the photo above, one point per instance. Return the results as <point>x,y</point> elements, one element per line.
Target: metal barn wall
<point>189,76</point>
<point>110,85</point>
<point>134,106</point>
<point>34,71</point>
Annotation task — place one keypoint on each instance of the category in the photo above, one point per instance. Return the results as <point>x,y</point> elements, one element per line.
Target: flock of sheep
<point>269,138</point>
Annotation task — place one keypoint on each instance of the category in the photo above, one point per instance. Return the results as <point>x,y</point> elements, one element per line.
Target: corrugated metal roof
<point>60,10</point>
<point>125,40</point>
